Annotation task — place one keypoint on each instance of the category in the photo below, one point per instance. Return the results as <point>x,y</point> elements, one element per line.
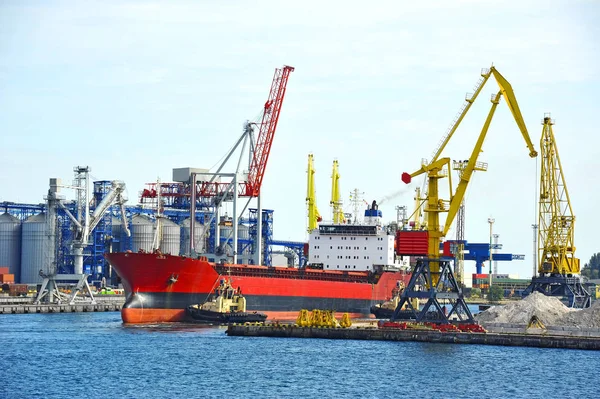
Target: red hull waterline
<point>159,287</point>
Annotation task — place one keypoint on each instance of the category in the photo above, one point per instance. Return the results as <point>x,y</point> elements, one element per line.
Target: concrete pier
<point>535,339</point>
<point>26,305</point>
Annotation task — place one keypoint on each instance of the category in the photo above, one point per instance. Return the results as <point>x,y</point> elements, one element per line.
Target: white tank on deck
<point>170,242</point>
<point>33,249</point>
<point>10,244</point>
<point>185,231</point>
<point>142,233</point>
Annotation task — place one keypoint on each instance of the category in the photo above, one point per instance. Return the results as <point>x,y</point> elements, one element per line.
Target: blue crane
<point>479,252</point>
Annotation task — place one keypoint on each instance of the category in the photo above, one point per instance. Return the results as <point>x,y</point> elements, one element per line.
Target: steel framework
<point>558,268</point>
<point>435,286</point>
<point>430,270</point>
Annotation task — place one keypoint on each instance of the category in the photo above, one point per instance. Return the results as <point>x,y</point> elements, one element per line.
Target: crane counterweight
<point>406,178</point>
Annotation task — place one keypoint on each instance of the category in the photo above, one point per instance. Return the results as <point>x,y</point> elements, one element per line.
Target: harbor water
<point>77,355</point>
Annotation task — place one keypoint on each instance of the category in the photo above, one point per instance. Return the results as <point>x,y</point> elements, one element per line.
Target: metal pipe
<point>69,214</point>
<point>192,245</point>
<point>258,255</point>
<point>235,219</point>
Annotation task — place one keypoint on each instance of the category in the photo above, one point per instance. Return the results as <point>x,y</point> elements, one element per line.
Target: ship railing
<point>292,273</point>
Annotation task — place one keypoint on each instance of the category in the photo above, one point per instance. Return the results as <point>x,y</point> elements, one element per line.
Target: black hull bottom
<point>255,303</point>
<point>205,316</point>
<point>382,313</point>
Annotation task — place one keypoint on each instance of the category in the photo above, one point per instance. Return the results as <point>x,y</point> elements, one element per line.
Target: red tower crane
<point>259,152</point>
<point>267,131</point>
<point>264,140</point>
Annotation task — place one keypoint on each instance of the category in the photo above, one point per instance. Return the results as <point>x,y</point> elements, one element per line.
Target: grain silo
<point>10,244</point>
<point>142,233</point>
<point>199,241</point>
<point>170,240</point>
<point>244,234</point>
<point>34,249</point>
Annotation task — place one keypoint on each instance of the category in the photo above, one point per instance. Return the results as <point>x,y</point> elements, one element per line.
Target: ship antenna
<point>356,199</point>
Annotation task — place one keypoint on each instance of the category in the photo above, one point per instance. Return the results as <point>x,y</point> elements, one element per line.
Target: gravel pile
<point>549,310</point>
<point>586,318</point>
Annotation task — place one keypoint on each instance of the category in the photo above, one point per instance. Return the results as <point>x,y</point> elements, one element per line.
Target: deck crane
<point>240,186</point>
<point>313,213</point>
<point>433,273</point>
<point>336,202</point>
<point>558,268</point>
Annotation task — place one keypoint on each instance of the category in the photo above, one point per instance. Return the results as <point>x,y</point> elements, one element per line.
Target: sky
<point>134,89</point>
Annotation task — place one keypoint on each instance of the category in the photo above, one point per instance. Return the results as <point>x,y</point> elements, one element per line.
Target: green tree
<point>592,268</point>
<point>496,293</point>
<point>475,293</point>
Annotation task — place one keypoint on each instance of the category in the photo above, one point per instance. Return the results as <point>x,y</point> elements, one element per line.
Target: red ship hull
<point>159,287</point>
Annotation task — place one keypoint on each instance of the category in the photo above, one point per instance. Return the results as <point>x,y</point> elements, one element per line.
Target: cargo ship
<point>351,267</point>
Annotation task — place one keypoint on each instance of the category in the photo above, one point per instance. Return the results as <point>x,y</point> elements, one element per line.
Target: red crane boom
<point>267,131</point>
<point>260,156</point>
<point>258,164</point>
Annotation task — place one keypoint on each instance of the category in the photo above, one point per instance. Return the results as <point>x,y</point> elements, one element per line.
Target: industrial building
<point>25,243</point>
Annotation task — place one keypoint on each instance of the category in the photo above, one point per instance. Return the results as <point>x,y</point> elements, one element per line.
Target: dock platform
<point>535,339</point>
<point>26,305</point>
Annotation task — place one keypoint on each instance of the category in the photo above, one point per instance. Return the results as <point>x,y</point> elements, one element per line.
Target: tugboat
<point>386,309</point>
<point>226,305</point>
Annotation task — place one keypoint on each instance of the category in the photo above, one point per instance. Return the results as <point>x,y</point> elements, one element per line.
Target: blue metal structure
<point>64,237</point>
<point>22,211</point>
<point>296,246</point>
<point>267,233</point>
<point>103,240</point>
<point>95,264</point>
<point>479,252</point>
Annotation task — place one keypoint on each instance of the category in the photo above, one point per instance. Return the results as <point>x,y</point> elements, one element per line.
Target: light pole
<point>535,250</point>
<point>491,222</point>
<point>496,247</point>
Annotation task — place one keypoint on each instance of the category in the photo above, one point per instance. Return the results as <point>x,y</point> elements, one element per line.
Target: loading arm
<point>115,195</point>
<point>472,165</point>
<point>511,101</point>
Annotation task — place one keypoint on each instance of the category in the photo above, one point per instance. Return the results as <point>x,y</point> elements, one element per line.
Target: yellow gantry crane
<point>558,268</point>
<point>432,273</point>
<point>439,168</point>
<point>556,219</point>
<point>336,202</point>
<point>313,213</point>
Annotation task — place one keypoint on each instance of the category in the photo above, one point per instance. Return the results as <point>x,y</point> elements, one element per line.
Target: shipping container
<point>18,289</point>
<point>7,278</point>
<point>4,270</point>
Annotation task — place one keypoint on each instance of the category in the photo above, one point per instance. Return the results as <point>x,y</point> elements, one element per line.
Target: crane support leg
<point>445,301</point>
<point>569,289</point>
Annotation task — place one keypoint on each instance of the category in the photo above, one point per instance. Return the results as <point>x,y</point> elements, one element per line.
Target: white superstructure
<point>353,247</point>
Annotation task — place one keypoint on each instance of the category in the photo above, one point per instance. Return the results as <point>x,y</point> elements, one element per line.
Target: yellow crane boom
<point>336,202</point>
<point>439,168</point>
<point>313,213</point>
